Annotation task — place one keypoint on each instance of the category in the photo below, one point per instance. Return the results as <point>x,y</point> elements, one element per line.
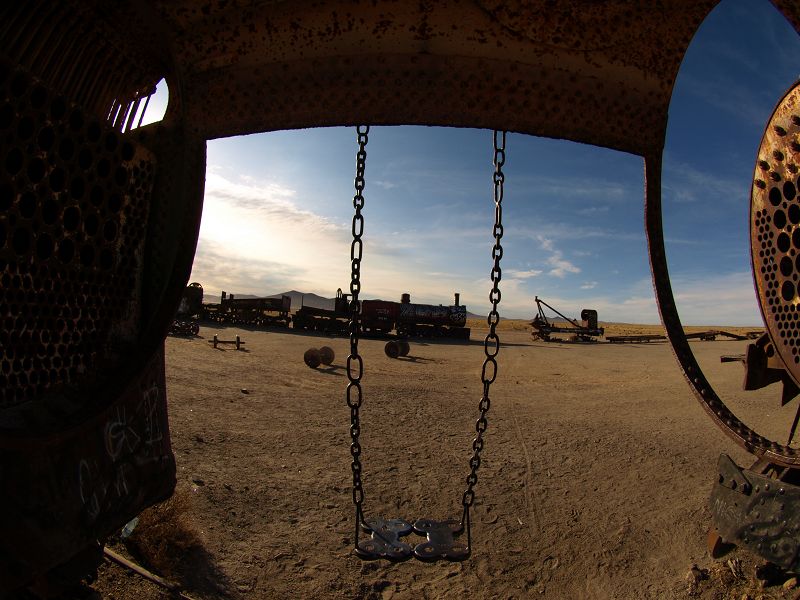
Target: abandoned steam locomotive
<point>377,316</point>
<point>383,316</point>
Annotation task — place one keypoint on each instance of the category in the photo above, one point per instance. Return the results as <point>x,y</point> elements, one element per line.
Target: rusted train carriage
<point>258,312</point>
<point>384,316</point>
<point>99,219</point>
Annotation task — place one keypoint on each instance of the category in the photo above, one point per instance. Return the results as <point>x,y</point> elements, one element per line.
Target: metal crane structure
<point>542,327</point>
<point>99,218</point>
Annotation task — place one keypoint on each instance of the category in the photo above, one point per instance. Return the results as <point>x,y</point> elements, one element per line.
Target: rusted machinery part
<point>185,328</point>
<point>775,229</point>
<point>612,63</point>
<point>772,242</point>
<point>129,203</point>
<point>105,222</point>
<point>312,358</point>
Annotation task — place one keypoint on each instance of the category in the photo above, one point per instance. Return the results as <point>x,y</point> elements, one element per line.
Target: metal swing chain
<point>491,344</point>
<point>354,395</point>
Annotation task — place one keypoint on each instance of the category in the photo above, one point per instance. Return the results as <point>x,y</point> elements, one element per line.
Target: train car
<point>383,317</point>
<point>258,312</point>
<point>427,320</point>
<point>191,305</point>
<point>189,312</point>
<point>379,316</point>
<point>312,318</point>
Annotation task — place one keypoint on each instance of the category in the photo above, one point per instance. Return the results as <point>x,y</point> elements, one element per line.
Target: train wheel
<point>312,358</point>
<point>392,349</point>
<point>326,355</point>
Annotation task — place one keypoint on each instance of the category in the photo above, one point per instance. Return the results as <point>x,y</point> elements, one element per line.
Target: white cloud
<point>725,299</point>
<point>255,239</point>
<point>584,188</point>
<point>592,210</point>
<point>728,95</point>
<point>683,183</point>
<point>514,274</point>
<point>589,285</point>
<point>571,232</point>
<point>560,265</point>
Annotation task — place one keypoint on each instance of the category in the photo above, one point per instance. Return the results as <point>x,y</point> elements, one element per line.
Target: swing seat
<point>385,540</point>
<point>441,542</point>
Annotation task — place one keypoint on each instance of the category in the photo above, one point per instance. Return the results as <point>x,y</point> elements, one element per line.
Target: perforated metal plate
<point>775,229</point>
<point>74,203</point>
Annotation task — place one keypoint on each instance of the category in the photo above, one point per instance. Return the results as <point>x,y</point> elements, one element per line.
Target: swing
<point>449,539</point>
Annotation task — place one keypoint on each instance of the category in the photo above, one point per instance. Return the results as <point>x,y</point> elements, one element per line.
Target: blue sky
<point>278,206</point>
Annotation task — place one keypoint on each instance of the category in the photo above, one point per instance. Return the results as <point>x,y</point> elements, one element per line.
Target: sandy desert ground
<point>594,484</point>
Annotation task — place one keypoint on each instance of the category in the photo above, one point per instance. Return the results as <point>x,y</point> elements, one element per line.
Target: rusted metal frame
<point>144,109</point>
<point>95,101</point>
<point>116,85</point>
<point>111,111</point>
<point>52,46</point>
<point>103,507</point>
<point>122,117</point>
<point>157,322</point>
<point>83,90</point>
<point>109,89</point>
<point>20,47</point>
<point>81,94</point>
<point>57,78</point>
<point>68,82</point>
<point>55,65</point>
<point>740,433</point>
<point>132,114</point>
<point>757,509</point>
<point>15,25</point>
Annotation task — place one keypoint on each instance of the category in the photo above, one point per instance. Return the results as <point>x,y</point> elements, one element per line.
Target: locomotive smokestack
<point>223,295</point>
<point>458,296</point>
<point>405,299</point>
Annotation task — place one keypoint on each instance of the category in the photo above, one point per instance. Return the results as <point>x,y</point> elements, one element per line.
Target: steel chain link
<point>491,344</point>
<point>355,365</point>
